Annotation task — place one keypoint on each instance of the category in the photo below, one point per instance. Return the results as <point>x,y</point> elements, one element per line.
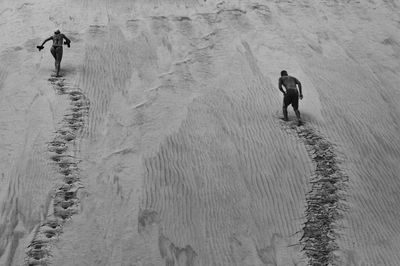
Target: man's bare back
<point>289,82</point>
<point>58,39</point>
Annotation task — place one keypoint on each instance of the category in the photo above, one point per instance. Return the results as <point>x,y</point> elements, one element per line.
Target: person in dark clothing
<point>57,48</point>
<point>291,95</point>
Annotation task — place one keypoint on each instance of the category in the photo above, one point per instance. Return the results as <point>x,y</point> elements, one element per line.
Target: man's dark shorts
<point>291,98</point>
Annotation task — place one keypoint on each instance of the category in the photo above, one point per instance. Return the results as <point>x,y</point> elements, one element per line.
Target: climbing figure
<point>57,48</point>
<point>291,95</point>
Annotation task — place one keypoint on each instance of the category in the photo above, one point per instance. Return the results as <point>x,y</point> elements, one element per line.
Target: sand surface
<point>162,143</point>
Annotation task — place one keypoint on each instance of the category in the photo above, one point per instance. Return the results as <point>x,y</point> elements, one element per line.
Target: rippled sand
<point>162,143</point>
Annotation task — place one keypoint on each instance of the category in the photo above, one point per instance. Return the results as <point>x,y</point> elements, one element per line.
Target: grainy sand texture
<point>162,143</point>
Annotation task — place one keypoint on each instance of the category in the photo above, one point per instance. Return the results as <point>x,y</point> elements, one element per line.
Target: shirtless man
<point>291,95</point>
<point>57,49</point>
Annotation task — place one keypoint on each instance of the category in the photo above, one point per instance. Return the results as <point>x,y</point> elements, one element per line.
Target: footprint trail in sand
<point>63,152</point>
<point>325,202</point>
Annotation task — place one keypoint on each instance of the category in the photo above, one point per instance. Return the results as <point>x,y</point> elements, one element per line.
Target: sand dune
<point>162,143</point>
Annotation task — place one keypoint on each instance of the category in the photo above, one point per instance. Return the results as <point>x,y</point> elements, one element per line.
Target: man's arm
<point>40,47</point>
<point>67,41</point>
<point>280,86</point>
<point>48,39</point>
<point>300,90</point>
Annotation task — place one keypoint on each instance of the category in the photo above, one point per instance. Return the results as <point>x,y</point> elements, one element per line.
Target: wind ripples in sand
<point>216,179</point>
<point>106,68</point>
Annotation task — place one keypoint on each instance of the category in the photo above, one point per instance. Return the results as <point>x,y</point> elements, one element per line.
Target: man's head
<point>57,32</point>
<point>284,73</point>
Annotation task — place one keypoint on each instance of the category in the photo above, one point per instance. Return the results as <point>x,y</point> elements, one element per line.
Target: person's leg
<point>59,53</point>
<point>53,52</point>
<point>295,104</point>
<point>297,114</point>
<point>286,102</point>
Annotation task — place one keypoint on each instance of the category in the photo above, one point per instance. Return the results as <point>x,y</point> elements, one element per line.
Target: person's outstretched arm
<point>280,86</point>
<point>48,39</point>
<point>67,41</point>
<point>40,47</point>
<point>300,89</point>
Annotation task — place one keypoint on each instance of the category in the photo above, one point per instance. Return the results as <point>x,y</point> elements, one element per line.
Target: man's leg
<point>285,114</point>
<point>59,53</point>
<point>286,102</point>
<point>297,114</point>
<point>53,52</point>
<point>57,68</point>
<point>295,105</point>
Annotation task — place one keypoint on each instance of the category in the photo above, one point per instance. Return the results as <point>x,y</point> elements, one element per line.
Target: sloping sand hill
<point>161,143</point>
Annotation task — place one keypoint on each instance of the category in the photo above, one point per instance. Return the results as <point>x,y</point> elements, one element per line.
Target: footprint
<point>59,149</point>
<point>33,262</point>
<point>79,103</point>
<point>52,224</point>
<point>62,213</point>
<point>69,195</point>
<point>75,115</point>
<point>68,137</point>
<point>56,157</point>
<point>66,204</point>
<point>38,244</point>
<point>76,97</point>
<point>67,163</point>
<point>70,179</point>
<point>50,233</point>
<point>37,254</point>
